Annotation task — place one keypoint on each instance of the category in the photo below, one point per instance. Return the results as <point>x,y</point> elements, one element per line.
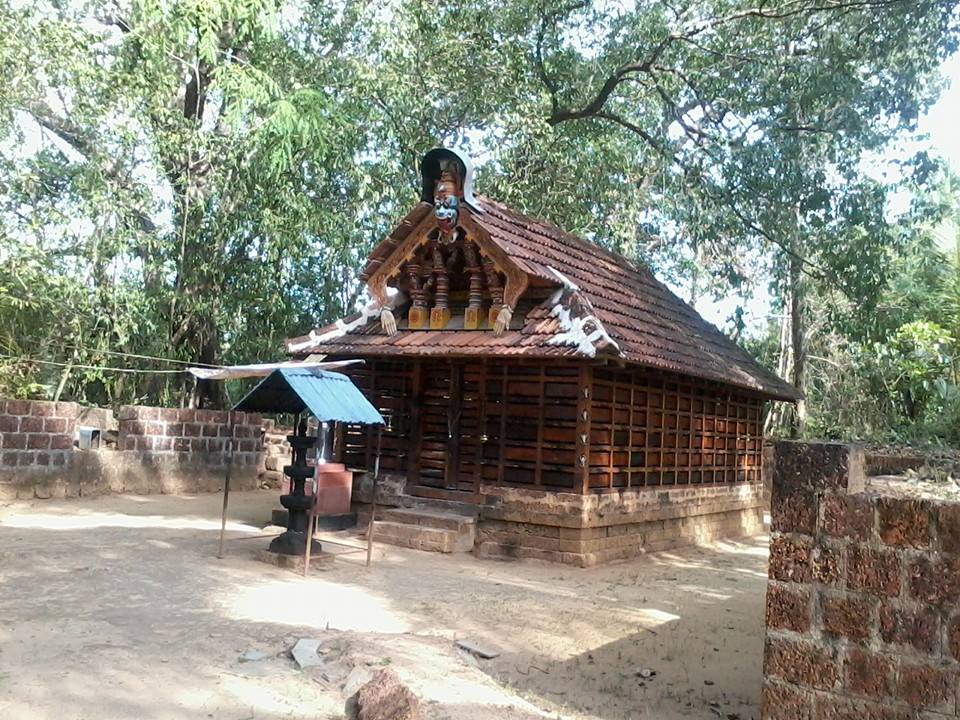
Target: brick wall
<point>863,603</point>
<point>35,434</point>
<point>159,450</point>
<point>166,430</point>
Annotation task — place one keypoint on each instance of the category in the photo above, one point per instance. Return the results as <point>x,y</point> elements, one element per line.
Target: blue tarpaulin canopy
<point>328,396</point>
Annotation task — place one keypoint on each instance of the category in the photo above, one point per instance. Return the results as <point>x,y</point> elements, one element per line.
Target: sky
<point>939,133</point>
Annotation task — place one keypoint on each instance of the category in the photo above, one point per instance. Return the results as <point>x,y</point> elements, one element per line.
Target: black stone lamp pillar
<point>297,503</point>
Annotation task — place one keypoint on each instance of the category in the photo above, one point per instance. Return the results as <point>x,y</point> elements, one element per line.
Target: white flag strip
<point>235,372</point>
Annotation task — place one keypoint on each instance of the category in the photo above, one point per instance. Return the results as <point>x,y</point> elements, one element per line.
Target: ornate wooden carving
<point>440,314</point>
<point>471,318</point>
<point>422,265</point>
<point>417,317</point>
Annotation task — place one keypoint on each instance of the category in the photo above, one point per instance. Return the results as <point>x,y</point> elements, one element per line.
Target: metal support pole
<point>311,515</point>
<point>226,483</point>
<point>373,501</point>
<point>310,521</point>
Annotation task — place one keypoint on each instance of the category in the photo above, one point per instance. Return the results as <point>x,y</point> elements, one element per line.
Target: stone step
<point>419,537</point>
<point>427,518</point>
<point>444,506</point>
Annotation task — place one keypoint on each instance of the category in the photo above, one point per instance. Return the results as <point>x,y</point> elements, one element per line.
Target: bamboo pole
<point>226,483</point>
<point>373,500</point>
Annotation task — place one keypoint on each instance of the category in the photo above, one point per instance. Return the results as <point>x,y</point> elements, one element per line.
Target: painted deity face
<point>446,210</point>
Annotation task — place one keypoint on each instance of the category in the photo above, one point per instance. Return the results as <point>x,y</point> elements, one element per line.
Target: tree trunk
<point>798,348</point>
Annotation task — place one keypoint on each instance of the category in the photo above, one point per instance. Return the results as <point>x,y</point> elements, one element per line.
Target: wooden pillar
<point>454,411</point>
<point>471,317</point>
<point>495,288</point>
<point>581,483</point>
<point>417,317</point>
<point>440,314</point>
<point>416,422</point>
<point>538,469</point>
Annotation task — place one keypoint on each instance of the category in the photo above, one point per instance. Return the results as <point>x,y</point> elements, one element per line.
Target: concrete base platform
<point>295,562</point>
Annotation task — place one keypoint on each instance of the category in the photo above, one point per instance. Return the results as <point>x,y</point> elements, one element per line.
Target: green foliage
<point>198,179</point>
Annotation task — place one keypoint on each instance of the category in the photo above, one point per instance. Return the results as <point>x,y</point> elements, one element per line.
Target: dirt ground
<point>116,607</point>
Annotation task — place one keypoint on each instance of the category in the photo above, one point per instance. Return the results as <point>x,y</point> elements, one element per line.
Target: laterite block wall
<point>158,450</point>
<point>587,530</point>
<point>863,602</point>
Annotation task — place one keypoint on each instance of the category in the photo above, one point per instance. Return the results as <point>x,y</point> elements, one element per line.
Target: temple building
<point>553,393</point>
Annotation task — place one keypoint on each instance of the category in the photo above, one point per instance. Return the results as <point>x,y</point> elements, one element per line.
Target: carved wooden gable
<point>447,267</point>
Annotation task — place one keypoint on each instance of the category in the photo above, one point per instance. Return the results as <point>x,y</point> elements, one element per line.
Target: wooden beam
<point>581,470</point>
<point>416,421</point>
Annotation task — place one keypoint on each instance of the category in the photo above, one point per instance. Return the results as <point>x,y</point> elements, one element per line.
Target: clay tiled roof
<point>644,322</point>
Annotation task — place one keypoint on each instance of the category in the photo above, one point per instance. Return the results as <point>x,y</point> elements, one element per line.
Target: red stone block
<point>168,414</point>
<point>800,663</point>
<point>861,517</point>
<point>192,429</point>
<point>917,628</point>
<point>812,466</point>
<point>953,638</point>
<point>904,522</point>
<point>147,413</point>
<point>935,581</point>
<point>9,423</point>
<point>61,442</point>
<point>31,424</point>
<point>181,444</point>
<point>834,515</point>
<point>873,571</point>
<point>18,407</point>
<point>174,429</point>
<point>9,459</point>
<point>788,608</point>
<point>927,686</point>
<point>13,441</point>
<point>793,511</point>
<point>869,674</point>
<point>198,445</point>
<point>43,458</point>
<point>58,458</point>
<point>848,616</point>
<point>948,525</point>
<point>42,409</point>
<point>55,425</point>
<point>211,430</point>
<point>783,702</point>
<point>827,565</point>
<point>162,444</point>
<point>157,428</point>
<point>133,427</point>
<point>834,707</point>
<point>68,410</point>
<point>790,559</point>
<point>38,441</point>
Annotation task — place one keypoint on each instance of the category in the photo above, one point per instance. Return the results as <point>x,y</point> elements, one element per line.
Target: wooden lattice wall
<point>389,386</point>
<point>648,429</point>
<point>553,426</point>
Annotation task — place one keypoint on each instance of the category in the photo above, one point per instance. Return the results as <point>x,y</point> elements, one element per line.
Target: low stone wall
<point>862,610</point>
<point>586,530</point>
<point>883,464</point>
<point>159,450</point>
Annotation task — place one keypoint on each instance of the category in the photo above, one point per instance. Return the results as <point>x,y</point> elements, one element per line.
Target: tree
<point>234,159</point>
